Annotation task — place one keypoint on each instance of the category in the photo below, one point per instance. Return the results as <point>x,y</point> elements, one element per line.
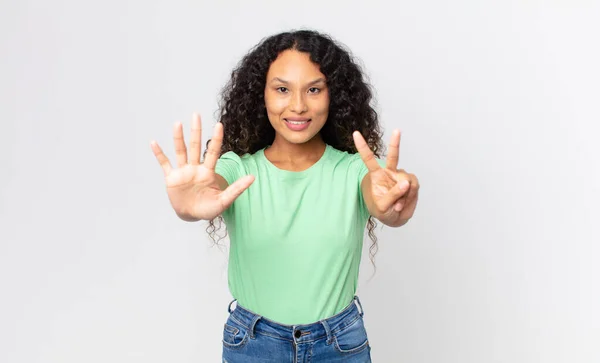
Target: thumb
<point>395,193</point>
<point>233,191</point>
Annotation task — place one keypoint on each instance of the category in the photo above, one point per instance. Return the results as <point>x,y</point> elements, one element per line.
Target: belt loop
<point>327,331</point>
<point>253,324</point>
<point>229,307</point>
<point>362,312</point>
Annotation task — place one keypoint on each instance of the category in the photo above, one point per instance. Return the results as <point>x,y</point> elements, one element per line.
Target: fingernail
<point>404,183</point>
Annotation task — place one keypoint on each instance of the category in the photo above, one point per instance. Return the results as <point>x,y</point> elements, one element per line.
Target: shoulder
<point>345,159</point>
<point>232,166</point>
<point>351,158</point>
<point>343,156</point>
<point>351,162</point>
<point>241,159</point>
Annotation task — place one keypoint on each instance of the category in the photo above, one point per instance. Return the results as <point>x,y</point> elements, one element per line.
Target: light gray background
<point>498,103</point>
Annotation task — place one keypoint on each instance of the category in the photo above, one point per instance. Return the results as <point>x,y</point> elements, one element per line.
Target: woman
<point>292,168</point>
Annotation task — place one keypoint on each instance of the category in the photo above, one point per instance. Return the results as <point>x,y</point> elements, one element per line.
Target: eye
<point>314,90</point>
<point>281,89</point>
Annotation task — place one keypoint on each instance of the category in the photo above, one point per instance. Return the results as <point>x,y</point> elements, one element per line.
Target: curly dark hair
<point>246,127</point>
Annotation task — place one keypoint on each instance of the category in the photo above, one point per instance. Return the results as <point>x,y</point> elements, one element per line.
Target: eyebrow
<point>277,79</point>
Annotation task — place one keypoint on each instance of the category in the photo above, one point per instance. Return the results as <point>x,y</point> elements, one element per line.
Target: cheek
<point>324,103</point>
<point>274,104</point>
<point>322,107</point>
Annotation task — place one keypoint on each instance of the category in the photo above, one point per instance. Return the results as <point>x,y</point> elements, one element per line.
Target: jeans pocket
<point>234,337</point>
<point>351,339</point>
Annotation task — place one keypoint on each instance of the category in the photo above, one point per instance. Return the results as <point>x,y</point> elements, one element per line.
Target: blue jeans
<point>249,338</point>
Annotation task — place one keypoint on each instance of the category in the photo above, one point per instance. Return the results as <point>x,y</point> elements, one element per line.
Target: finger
<point>398,205</point>
<point>409,200</point>
<point>195,140</point>
<point>410,206</point>
<point>229,195</point>
<point>160,156</point>
<point>391,197</point>
<point>214,147</point>
<point>414,188</point>
<point>393,151</point>
<point>180,150</point>
<point>365,152</point>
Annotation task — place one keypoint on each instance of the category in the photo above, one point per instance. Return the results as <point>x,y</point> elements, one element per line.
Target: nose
<point>298,103</point>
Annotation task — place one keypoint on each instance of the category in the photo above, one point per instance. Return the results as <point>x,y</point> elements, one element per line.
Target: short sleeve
<point>229,166</point>
<point>362,172</point>
<point>362,168</point>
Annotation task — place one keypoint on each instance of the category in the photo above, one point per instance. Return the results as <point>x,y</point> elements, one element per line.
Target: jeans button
<point>297,334</point>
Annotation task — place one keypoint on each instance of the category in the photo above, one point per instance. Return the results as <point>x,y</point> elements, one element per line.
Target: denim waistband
<point>298,333</point>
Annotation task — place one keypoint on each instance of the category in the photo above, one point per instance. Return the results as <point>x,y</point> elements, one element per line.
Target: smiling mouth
<point>296,122</point>
<point>297,125</point>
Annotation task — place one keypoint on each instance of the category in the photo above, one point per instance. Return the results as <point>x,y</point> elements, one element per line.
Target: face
<point>296,97</point>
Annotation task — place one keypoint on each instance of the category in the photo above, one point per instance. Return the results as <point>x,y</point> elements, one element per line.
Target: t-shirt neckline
<point>295,173</point>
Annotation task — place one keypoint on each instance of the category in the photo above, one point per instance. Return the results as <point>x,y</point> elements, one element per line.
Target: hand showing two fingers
<point>394,192</point>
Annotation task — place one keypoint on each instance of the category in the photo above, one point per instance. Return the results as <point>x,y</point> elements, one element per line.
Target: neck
<point>287,152</point>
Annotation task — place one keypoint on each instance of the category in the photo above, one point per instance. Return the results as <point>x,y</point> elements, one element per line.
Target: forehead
<point>291,64</point>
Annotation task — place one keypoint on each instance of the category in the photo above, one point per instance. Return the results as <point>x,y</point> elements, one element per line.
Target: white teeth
<point>297,122</point>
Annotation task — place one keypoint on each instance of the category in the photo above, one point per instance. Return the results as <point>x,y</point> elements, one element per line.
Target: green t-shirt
<point>296,237</point>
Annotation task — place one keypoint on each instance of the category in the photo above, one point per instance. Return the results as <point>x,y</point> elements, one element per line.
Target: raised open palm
<point>194,189</point>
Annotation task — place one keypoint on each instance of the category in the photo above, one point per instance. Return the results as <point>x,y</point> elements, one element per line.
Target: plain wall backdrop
<point>498,104</point>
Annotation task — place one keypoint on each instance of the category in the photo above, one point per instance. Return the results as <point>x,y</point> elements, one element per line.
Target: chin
<point>298,138</point>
